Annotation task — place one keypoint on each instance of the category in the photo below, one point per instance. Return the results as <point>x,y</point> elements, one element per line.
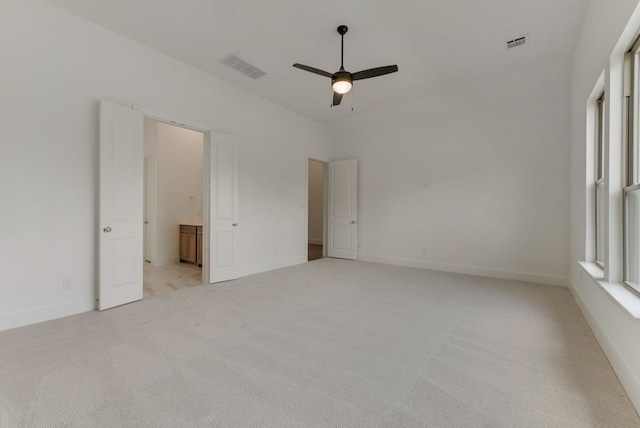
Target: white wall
<point>178,160</point>
<point>471,180</point>
<point>55,68</point>
<point>607,24</point>
<point>480,213</point>
<point>316,202</point>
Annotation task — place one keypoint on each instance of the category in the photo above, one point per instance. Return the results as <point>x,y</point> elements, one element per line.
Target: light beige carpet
<point>326,344</point>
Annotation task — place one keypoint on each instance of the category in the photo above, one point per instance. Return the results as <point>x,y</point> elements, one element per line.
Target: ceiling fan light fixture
<point>341,84</point>
<point>342,80</point>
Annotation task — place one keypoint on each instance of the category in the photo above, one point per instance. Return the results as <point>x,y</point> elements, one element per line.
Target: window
<point>631,191</point>
<point>599,182</point>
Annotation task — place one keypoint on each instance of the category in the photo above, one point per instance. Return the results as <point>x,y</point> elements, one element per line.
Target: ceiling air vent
<point>242,66</point>
<point>518,41</point>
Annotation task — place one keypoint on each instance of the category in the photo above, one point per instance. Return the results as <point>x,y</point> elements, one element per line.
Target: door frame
<point>206,130</point>
<point>324,204</point>
<point>150,162</point>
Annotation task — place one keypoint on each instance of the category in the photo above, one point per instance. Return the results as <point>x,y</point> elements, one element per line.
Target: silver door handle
<point>234,224</point>
<point>146,222</point>
<point>353,222</point>
<point>106,229</point>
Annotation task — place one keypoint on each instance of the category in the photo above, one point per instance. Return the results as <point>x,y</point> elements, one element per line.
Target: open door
<point>224,207</point>
<point>342,221</point>
<point>121,206</point>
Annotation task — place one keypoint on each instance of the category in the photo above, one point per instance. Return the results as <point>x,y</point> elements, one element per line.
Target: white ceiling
<point>436,44</point>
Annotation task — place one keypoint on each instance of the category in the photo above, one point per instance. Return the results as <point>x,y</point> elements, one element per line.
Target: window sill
<point>620,294</point>
<point>593,269</point>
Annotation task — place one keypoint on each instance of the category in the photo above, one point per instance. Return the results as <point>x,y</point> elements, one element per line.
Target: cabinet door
<point>184,247</point>
<point>188,243</point>
<point>199,249</point>
<point>192,248</point>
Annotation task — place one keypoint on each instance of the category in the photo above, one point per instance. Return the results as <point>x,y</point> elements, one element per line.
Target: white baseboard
<point>20,319</point>
<point>265,267</point>
<point>316,242</point>
<point>628,380</point>
<point>469,270</point>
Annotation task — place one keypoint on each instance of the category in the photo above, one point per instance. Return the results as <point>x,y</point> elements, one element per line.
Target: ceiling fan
<point>342,80</point>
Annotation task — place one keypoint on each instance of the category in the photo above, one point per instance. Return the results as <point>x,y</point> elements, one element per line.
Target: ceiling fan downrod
<point>342,30</point>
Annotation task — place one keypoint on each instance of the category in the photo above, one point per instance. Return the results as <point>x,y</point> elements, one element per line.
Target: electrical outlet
<point>67,283</point>
<point>359,245</point>
<point>275,251</point>
<point>424,251</point>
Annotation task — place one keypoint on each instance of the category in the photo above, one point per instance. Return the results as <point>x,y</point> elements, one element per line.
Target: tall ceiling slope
<point>436,44</point>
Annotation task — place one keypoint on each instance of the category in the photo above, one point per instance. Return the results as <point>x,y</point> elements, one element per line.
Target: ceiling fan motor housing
<point>342,76</point>
<point>341,81</point>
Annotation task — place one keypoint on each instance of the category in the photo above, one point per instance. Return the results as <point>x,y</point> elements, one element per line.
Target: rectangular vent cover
<point>519,41</point>
<point>242,66</point>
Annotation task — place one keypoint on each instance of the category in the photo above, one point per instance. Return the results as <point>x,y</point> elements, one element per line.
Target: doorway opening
<point>173,207</point>
<point>121,201</point>
<point>316,232</point>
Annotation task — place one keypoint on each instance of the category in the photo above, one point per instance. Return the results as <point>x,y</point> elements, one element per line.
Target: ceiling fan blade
<point>313,70</point>
<point>375,72</point>
<point>336,99</point>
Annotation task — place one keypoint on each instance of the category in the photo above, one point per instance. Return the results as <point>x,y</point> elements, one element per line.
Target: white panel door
<point>224,208</point>
<point>121,205</point>
<point>342,220</point>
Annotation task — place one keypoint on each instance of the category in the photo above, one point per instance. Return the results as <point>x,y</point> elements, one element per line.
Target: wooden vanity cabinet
<point>191,244</point>
<point>199,245</point>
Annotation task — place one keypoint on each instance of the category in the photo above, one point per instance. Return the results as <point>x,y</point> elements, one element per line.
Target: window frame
<point>631,165</point>
<point>599,180</point>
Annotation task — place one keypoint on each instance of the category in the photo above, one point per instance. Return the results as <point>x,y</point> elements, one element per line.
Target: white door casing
<point>121,205</point>
<point>148,208</point>
<point>342,221</point>
<point>224,208</point>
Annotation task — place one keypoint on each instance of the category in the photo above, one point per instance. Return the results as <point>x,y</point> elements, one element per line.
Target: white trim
<point>469,270</point>
<point>629,382</point>
<point>47,313</point>
<point>619,293</point>
<point>265,267</point>
<point>206,208</point>
<point>171,119</point>
<point>593,269</point>
<point>613,156</point>
<point>623,296</point>
<point>151,216</point>
<point>590,176</point>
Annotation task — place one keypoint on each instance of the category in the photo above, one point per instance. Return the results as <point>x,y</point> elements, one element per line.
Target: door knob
<point>106,229</point>
<point>353,222</point>
<point>234,224</point>
<point>146,222</point>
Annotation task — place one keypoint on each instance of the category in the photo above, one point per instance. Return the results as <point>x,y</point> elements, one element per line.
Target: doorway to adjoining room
<point>173,207</point>
<point>316,204</point>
